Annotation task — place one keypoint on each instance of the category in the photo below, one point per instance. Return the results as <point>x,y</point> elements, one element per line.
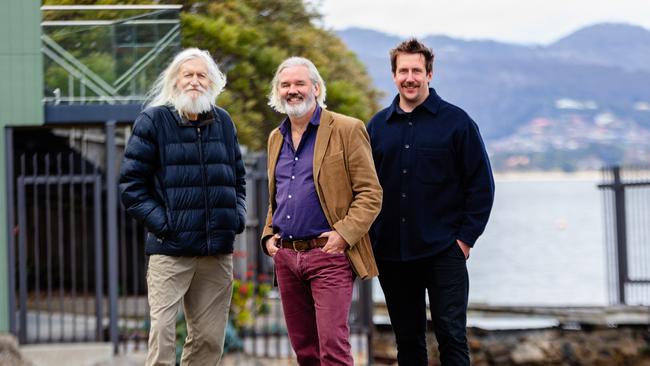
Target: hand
<point>335,242</point>
<point>464,247</point>
<point>272,244</point>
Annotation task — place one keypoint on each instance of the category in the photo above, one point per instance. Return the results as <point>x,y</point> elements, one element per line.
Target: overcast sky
<point>520,21</point>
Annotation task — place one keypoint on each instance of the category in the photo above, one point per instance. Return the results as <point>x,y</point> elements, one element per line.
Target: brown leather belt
<point>303,245</point>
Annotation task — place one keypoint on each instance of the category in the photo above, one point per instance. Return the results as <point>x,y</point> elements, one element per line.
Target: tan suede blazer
<point>346,184</point>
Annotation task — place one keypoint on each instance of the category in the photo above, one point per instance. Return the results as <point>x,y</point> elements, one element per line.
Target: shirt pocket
<point>334,160</point>
<point>432,165</point>
<point>333,170</point>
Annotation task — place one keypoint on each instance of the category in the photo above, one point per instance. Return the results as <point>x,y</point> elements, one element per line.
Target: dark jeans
<point>445,278</point>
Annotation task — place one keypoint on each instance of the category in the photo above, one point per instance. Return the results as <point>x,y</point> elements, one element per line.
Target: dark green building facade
<point>21,94</point>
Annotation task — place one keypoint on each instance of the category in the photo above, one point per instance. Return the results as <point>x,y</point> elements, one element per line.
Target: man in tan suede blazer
<point>323,197</point>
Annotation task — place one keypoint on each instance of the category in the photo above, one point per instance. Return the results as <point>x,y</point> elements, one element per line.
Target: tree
<point>250,38</point>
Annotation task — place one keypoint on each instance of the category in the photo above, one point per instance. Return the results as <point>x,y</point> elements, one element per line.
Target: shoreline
<point>589,175</point>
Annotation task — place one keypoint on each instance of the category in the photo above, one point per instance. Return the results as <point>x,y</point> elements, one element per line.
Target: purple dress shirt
<point>298,214</point>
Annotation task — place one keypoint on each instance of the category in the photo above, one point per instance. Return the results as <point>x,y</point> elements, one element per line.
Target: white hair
<point>164,89</point>
<point>274,97</point>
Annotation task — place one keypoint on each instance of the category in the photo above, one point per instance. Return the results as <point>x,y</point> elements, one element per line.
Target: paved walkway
<point>100,354</point>
<point>228,360</point>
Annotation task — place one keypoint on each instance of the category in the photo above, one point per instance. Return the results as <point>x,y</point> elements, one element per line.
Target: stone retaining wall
<point>591,346</point>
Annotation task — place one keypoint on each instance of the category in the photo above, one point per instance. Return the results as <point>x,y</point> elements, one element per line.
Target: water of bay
<point>543,245</point>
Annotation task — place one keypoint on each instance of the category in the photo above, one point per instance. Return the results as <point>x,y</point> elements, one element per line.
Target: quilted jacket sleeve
<point>137,174</point>
<point>240,186</point>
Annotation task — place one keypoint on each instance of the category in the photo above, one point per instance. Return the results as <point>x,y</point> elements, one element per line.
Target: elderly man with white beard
<point>323,197</point>
<point>183,177</point>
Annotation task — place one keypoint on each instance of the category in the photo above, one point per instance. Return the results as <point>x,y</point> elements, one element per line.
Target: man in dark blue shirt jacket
<point>438,191</point>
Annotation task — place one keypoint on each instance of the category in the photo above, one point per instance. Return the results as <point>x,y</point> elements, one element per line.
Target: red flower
<point>243,289</point>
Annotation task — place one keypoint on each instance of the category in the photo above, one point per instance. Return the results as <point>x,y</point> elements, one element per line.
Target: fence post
<point>258,174</point>
<point>111,231</point>
<point>621,232</point>
<point>11,220</point>
<point>22,256</point>
<point>368,306</point>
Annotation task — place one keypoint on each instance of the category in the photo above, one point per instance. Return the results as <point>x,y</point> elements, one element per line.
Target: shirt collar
<point>432,103</point>
<point>285,126</point>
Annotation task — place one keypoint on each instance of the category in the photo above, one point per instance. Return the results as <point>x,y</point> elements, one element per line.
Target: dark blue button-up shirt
<point>298,214</point>
<point>436,178</point>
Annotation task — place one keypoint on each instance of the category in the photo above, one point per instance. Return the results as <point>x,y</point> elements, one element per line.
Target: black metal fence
<point>626,197</point>
<point>77,259</point>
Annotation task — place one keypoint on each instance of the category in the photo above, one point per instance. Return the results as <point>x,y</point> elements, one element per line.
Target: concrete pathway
<point>100,354</point>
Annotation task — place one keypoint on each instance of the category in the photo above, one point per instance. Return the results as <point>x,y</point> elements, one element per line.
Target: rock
<point>527,353</point>
<point>10,353</point>
<point>474,344</point>
<point>629,348</point>
<point>605,346</point>
<point>498,349</point>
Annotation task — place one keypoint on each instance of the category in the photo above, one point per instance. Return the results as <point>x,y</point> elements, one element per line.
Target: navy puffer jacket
<point>185,183</point>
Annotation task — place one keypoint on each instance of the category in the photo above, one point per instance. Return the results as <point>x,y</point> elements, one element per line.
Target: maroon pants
<point>316,293</point>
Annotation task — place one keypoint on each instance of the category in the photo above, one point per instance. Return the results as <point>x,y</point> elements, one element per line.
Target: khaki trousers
<point>204,286</point>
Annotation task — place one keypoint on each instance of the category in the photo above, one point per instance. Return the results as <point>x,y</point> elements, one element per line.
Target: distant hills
<point>568,105</point>
<point>617,45</point>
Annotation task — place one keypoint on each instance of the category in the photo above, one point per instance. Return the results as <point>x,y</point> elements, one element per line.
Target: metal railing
<point>106,53</point>
<point>55,243</point>
<point>626,197</point>
<point>79,258</point>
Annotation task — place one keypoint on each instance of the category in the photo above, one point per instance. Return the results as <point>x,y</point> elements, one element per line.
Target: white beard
<point>185,104</point>
<point>299,110</point>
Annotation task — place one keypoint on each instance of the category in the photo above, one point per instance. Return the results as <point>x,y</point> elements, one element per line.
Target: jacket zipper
<point>205,189</point>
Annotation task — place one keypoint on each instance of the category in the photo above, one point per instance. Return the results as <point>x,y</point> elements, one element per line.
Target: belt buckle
<point>299,248</point>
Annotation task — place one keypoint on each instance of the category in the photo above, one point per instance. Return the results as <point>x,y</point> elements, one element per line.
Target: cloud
<point>519,21</point>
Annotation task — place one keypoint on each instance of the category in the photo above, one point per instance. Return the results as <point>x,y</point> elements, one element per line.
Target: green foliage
<point>248,299</point>
<point>250,38</point>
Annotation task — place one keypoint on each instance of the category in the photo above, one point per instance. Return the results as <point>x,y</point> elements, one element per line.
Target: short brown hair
<point>412,46</point>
